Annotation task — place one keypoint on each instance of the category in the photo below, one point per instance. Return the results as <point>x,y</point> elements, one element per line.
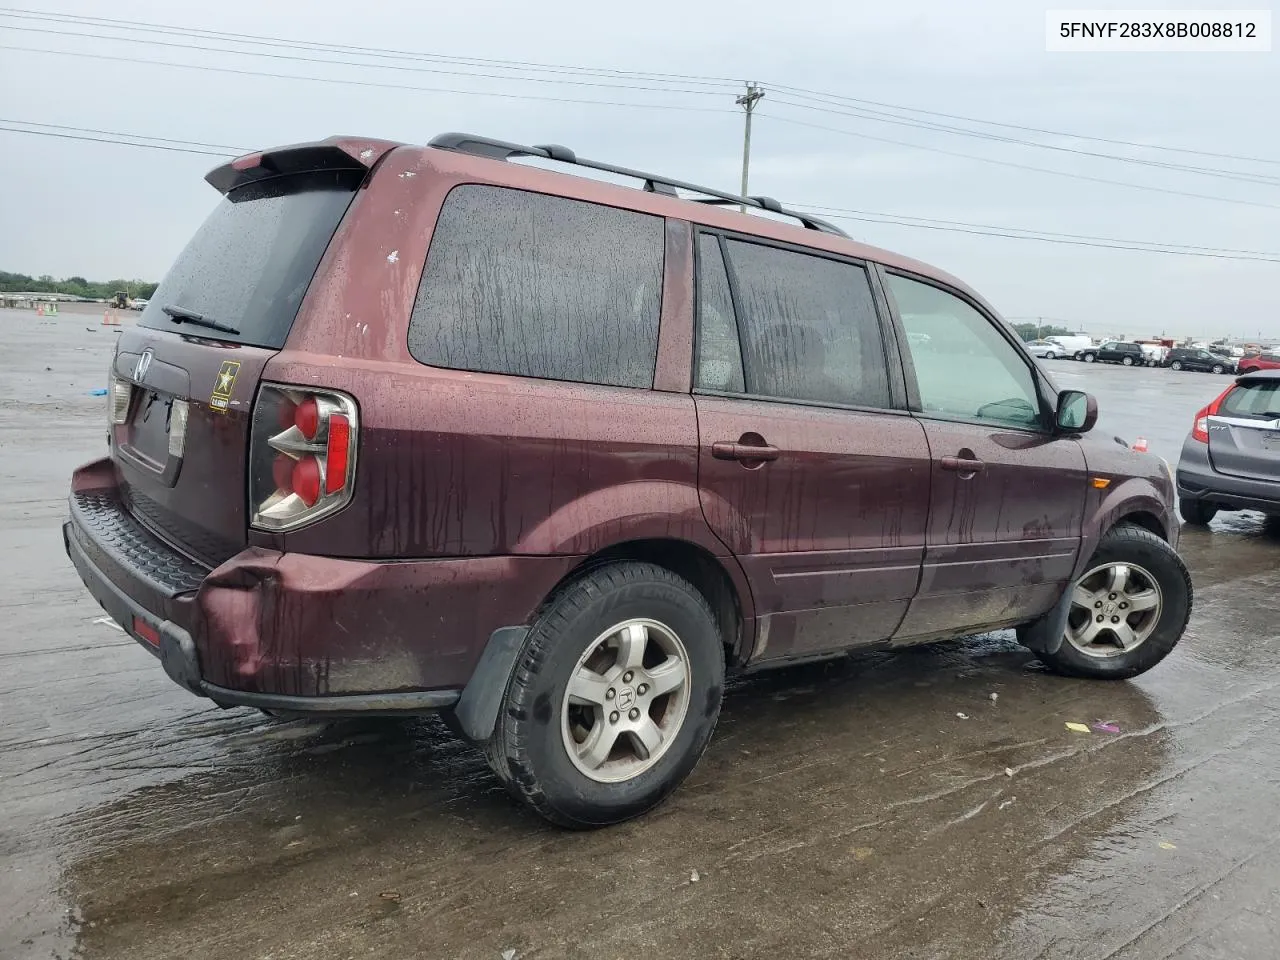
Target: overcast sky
<point>105,210</point>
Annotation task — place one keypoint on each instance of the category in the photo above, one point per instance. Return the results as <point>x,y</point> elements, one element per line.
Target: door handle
<point>731,450</point>
<point>962,465</point>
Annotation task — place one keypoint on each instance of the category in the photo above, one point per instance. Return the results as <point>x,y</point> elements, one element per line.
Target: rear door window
<point>809,328</point>
<point>249,266</point>
<point>540,286</point>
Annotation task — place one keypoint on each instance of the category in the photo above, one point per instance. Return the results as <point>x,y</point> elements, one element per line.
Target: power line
<point>123,143</point>
<point>234,151</point>
<point>821,97</point>
<point>367,83</point>
<point>352,63</point>
<point>382,52</point>
<point>1023,166</point>
<point>845,100</point>
<point>899,217</point>
<point>1244,177</point>
<point>838,213</point>
<point>1134,246</point>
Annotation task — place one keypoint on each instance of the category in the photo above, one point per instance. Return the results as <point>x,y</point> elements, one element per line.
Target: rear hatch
<point>185,378</point>
<point>1244,435</point>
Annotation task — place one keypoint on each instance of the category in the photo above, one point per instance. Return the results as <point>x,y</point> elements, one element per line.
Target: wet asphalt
<point>926,804</point>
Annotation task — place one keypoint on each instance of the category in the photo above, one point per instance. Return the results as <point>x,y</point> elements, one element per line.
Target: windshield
<point>249,265</point>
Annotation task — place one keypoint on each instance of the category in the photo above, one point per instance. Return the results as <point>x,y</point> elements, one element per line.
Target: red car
<point>1262,361</point>
<point>411,428</point>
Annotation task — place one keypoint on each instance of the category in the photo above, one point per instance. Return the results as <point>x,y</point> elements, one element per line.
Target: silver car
<point>1045,349</point>
<point>1231,460</point>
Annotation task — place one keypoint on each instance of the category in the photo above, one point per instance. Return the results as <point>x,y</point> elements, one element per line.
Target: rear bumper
<point>298,633</point>
<point>1197,480</point>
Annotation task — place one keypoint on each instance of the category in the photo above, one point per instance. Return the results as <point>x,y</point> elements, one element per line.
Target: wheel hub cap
<point>1115,607</point>
<point>625,701</point>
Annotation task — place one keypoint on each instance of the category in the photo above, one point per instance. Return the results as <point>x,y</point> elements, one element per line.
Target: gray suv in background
<point>1231,459</point>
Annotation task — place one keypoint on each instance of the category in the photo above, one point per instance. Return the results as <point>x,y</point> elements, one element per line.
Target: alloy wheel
<point>1115,607</point>
<point>626,700</point>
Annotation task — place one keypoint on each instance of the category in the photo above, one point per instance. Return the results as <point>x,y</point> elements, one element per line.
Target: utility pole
<point>748,103</point>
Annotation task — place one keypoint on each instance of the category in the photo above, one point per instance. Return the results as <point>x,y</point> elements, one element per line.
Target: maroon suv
<point>410,428</point>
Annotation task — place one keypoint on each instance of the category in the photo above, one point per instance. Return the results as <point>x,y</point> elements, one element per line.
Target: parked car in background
<point>139,303</point>
<point>1185,358</point>
<point>411,428</point>
<point>1231,458</point>
<point>1044,349</point>
<point>1115,351</point>
<point>1259,361</point>
<point>1072,344</point>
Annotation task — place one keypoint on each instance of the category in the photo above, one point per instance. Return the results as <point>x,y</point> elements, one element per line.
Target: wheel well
<point>687,560</point>
<point>1147,521</point>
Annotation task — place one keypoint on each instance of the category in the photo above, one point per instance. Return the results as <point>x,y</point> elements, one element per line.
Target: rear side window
<point>540,286</point>
<point>1259,400</point>
<point>809,327</point>
<point>251,262</point>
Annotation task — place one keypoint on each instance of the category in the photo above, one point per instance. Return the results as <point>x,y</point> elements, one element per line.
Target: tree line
<point>1030,331</point>
<point>74,286</point>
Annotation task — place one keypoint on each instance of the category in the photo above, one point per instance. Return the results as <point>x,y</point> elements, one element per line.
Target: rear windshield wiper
<point>183,315</point>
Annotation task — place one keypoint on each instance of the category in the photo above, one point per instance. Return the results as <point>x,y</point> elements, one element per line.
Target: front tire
<point>614,697</point>
<point>1197,512</point>
<point>1128,611</point>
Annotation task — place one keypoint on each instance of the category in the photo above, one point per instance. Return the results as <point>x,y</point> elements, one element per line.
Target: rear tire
<point>1090,357</point>
<point>1127,361</point>
<point>1176,365</point>
<point>1218,368</point>
<point>1050,355</point>
<point>620,633</point>
<point>1196,512</point>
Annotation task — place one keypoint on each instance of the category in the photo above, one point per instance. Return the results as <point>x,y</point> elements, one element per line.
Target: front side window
<point>964,368</point>
<point>809,327</point>
<point>540,286</point>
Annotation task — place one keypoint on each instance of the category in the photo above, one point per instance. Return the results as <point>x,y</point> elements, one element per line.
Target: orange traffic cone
<point>106,318</point>
<point>39,309</point>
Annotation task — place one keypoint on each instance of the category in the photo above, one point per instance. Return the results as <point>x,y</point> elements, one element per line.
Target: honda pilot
<point>410,429</point>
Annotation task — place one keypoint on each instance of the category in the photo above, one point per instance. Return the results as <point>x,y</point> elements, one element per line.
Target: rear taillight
<point>1200,429</point>
<point>118,396</point>
<point>303,455</point>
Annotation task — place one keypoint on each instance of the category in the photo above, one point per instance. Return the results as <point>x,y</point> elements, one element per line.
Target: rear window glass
<point>1259,399</point>
<point>540,286</point>
<point>809,327</point>
<point>251,262</point>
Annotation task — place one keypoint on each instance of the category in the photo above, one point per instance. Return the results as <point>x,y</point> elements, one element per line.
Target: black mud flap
<point>1045,635</point>
<point>477,709</point>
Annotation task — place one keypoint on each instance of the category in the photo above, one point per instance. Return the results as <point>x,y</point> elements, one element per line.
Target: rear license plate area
<point>148,438</point>
<point>1271,440</point>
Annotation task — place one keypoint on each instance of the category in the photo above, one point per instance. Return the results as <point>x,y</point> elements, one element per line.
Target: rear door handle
<point>731,450</point>
<point>962,465</point>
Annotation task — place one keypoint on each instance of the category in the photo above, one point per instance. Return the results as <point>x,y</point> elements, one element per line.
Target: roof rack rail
<point>653,183</point>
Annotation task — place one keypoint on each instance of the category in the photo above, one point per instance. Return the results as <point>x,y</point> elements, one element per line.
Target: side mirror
<point>1077,412</point>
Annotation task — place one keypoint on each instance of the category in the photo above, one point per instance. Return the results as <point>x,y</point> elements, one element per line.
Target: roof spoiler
<point>335,153</point>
